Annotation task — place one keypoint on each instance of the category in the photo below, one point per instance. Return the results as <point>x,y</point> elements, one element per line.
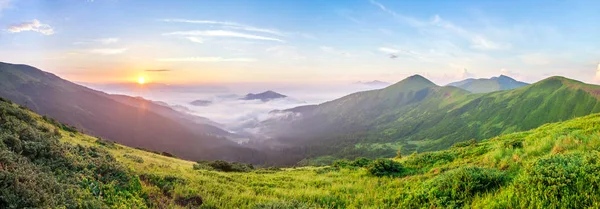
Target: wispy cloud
<point>393,53</point>
<point>195,39</point>
<point>410,20</point>
<point>389,50</point>
<point>478,41</point>
<point>104,41</point>
<point>34,25</point>
<point>223,33</point>
<point>229,25</point>
<point>107,40</point>
<point>158,70</point>
<point>205,59</point>
<point>108,51</point>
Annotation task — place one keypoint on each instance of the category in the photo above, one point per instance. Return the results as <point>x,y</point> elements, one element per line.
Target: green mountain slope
<point>485,85</point>
<point>43,165</point>
<point>417,115</point>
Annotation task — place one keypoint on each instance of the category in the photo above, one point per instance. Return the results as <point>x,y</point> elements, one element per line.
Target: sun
<point>141,80</point>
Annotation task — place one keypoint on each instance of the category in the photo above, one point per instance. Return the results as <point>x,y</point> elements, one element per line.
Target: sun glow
<point>141,80</point>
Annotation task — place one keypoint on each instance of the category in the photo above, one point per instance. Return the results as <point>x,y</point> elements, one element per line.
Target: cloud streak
<point>222,33</point>
<point>205,59</point>
<point>34,25</point>
<point>478,41</point>
<point>158,70</point>
<point>228,25</point>
<point>195,39</point>
<point>108,51</point>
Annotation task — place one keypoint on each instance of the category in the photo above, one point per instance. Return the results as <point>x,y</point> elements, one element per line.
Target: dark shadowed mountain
<point>485,85</point>
<point>131,121</point>
<point>265,96</point>
<point>201,103</point>
<point>417,115</point>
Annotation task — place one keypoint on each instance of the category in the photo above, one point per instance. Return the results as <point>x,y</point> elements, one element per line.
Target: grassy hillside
<point>44,164</point>
<point>416,115</point>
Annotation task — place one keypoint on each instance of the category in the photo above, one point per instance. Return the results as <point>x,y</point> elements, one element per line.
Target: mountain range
<point>411,115</point>
<point>417,115</point>
<point>127,120</point>
<point>485,85</point>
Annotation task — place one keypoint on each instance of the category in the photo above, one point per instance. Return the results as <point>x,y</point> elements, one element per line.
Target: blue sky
<point>302,41</point>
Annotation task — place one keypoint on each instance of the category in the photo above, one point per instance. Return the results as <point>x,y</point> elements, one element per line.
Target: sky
<point>298,42</point>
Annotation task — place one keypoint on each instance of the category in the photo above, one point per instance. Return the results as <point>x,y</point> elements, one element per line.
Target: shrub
<point>283,205</point>
<point>39,171</point>
<point>165,183</point>
<point>106,143</point>
<point>134,158</point>
<point>341,163</point>
<point>513,144</point>
<point>560,181</point>
<point>385,167</point>
<point>224,166</point>
<point>361,162</point>
<point>465,143</point>
<point>429,159</point>
<point>455,188</point>
<point>189,201</point>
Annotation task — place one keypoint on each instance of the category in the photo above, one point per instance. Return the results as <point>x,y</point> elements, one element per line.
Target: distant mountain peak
<point>373,83</point>
<point>416,81</point>
<point>264,96</point>
<point>484,85</point>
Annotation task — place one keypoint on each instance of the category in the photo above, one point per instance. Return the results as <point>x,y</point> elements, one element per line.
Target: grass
<point>553,166</point>
<point>506,160</point>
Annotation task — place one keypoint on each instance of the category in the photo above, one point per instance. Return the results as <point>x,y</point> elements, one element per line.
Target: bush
<point>560,181</point>
<point>106,143</point>
<point>361,162</point>
<point>224,166</point>
<point>39,171</point>
<point>429,159</point>
<point>165,183</point>
<point>341,163</point>
<point>385,167</point>
<point>465,143</point>
<point>134,158</point>
<point>455,188</point>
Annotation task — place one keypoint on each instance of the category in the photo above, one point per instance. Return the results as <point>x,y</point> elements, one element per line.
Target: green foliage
<point>560,181</point>
<point>134,158</point>
<point>429,159</point>
<point>283,205</point>
<point>39,171</point>
<point>106,143</point>
<point>455,188</point>
<point>224,166</point>
<point>360,162</point>
<point>165,183</point>
<point>385,167</point>
<point>471,142</point>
